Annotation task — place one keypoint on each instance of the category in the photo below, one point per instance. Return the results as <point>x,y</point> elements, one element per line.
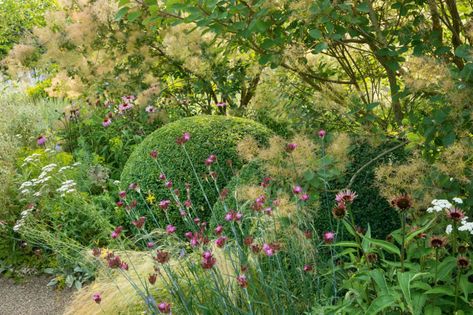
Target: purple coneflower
<point>402,202</point>
<point>150,109</point>
<point>345,196</point>
<point>124,107</point>
<point>463,262</point>
<point>437,241</point>
<point>106,122</point>
<point>455,214</point>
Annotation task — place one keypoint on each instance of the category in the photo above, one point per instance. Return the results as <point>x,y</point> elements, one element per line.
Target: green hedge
<point>209,135</point>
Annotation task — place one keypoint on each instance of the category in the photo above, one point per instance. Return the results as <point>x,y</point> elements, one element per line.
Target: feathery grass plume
<point>424,74</point>
<point>249,192</point>
<point>453,161</point>
<point>409,178</point>
<point>339,149</point>
<point>248,148</point>
<point>304,157</point>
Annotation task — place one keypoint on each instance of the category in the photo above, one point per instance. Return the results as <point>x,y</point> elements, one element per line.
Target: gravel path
<point>31,297</point>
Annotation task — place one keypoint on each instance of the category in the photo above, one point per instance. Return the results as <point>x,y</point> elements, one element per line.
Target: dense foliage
<point>240,157</point>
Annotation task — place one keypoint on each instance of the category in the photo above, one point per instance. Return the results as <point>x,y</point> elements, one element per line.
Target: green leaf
<point>445,290</point>
<point>380,303</point>
<point>463,51</point>
<point>320,47</point>
<point>315,34</point>
<point>121,13</point>
<point>134,15</point>
<point>346,244</point>
<point>363,7</point>
<point>431,309</point>
<point>410,236</point>
<point>349,227</point>
<point>391,248</point>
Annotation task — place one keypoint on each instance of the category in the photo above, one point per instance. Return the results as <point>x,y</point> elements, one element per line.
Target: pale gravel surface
<point>31,297</point>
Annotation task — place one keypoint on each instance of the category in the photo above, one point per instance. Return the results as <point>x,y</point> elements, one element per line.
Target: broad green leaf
<point>445,290</point>
<point>391,248</point>
<point>463,51</point>
<point>410,236</point>
<point>378,276</point>
<point>121,13</point>
<point>134,15</point>
<point>320,47</point>
<point>349,227</point>
<point>315,34</point>
<point>431,309</point>
<point>380,303</point>
<point>346,244</point>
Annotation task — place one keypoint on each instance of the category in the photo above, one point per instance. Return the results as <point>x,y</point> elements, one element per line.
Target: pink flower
<point>238,216</point>
<point>168,184</point>
<point>220,242</point>
<point>304,197</point>
<point>297,189</point>
<point>170,229</point>
<point>265,182</point>
<point>134,186</point>
<point>150,244</point>
<point>139,223</point>
<point>221,104</point>
<point>164,204</point>
<point>345,196</point>
<point>116,233</point>
<point>150,109</point>
<point>188,203</point>
<point>329,237</point>
<point>268,249</point>
<point>219,229</point>
<point>97,298</point>
<point>188,235</point>
<point>322,133</point>
<point>184,138</point>
<point>106,122</point>
<point>268,211</point>
<point>242,281</point>
<point>162,176</point>
<point>208,261</point>
<point>210,160</point>
<point>152,278</point>
<point>128,98</point>
<point>41,140</point>
<point>124,107</point>
<point>308,268</point>
<point>119,204</point>
<point>153,154</point>
<point>124,266</point>
<point>122,194</point>
<point>291,147</point>
<point>230,216</point>
<point>164,307</point>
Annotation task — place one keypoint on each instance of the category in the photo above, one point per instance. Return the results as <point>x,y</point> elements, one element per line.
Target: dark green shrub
<point>209,135</point>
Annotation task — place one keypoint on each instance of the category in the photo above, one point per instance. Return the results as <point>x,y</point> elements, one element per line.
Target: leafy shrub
<point>216,135</point>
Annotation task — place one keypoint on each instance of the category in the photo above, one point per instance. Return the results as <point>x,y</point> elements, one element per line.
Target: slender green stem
<point>403,235</point>
<point>457,282</point>
<point>436,265</point>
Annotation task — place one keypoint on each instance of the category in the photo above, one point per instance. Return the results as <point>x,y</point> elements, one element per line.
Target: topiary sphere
<point>216,135</point>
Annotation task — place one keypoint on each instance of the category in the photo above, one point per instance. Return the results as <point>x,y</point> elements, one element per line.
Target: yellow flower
<point>150,198</point>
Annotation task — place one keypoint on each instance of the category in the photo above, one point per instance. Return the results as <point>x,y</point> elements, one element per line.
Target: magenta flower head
<point>170,229</point>
<point>184,138</point>
<point>116,233</point>
<point>219,229</point>
<point>308,268</point>
<point>106,122</point>
<point>168,184</point>
<point>139,223</point>
<point>208,261</point>
<point>124,266</point>
<point>150,244</point>
<point>221,104</point>
<point>269,249</point>
<point>210,160</point>
<point>122,194</point>
<point>291,147</point>
<point>164,204</point>
<point>304,197</point>
<point>164,308</point>
<point>345,196</point>
<point>230,216</point>
<point>329,237</point>
<point>153,154</point>
<point>97,298</point>
<point>119,203</point>
<point>124,107</point>
<point>242,281</point>
<point>188,203</point>
<point>297,190</point>
<point>41,140</point>
<point>220,242</point>
<point>238,216</point>
<point>162,176</point>
<point>322,133</point>
<point>150,109</point>
<point>455,214</point>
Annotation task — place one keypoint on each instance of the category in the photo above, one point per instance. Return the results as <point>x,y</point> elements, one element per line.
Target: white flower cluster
<point>21,221</point>
<point>33,158</point>
<point>464,227</point>
<point>443,204</point>
<point>42,178</point>
<point>67,187</point>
